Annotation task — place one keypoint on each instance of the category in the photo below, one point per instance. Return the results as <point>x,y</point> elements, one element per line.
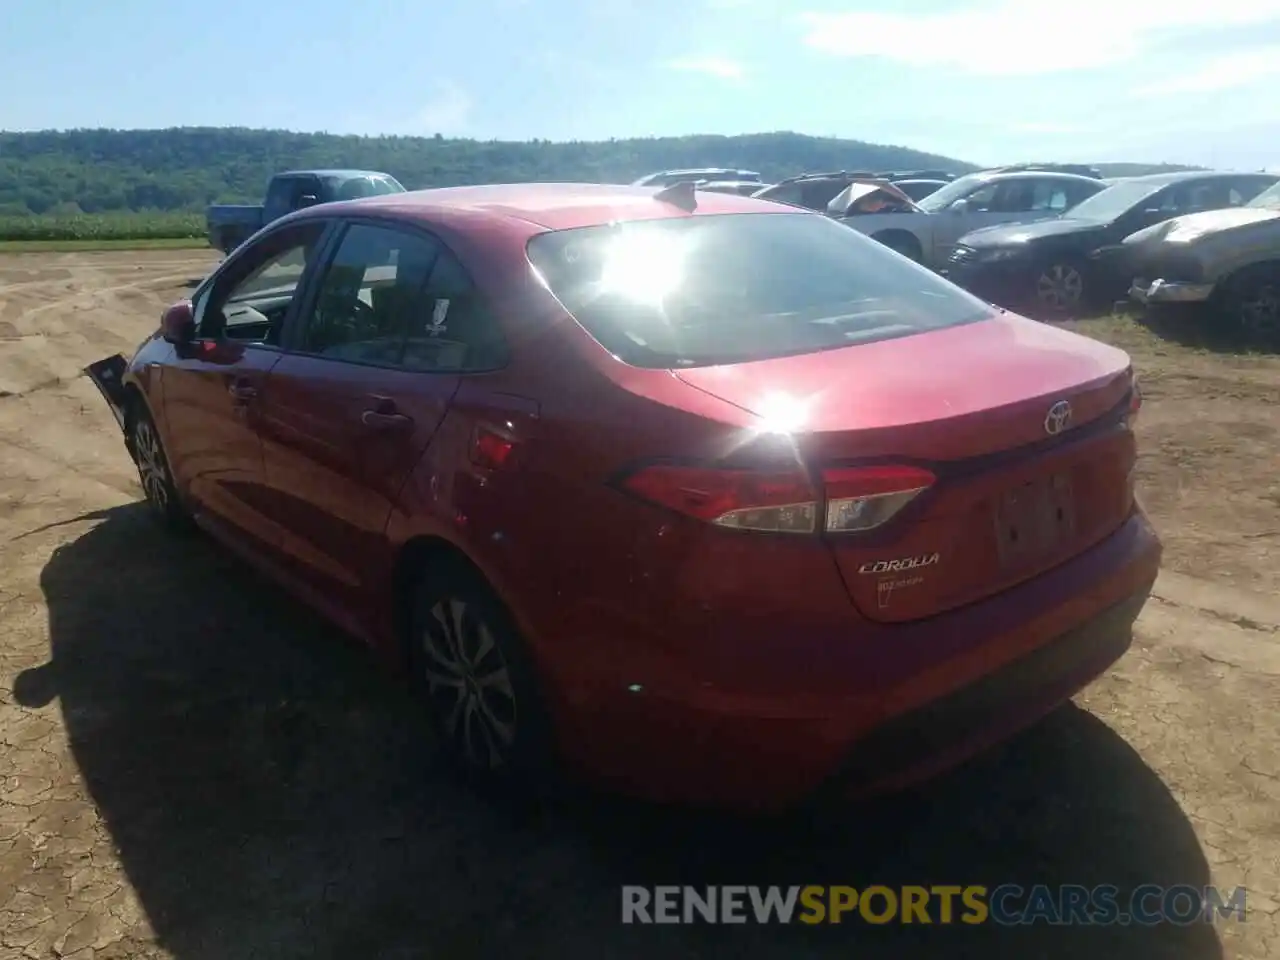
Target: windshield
<point>1107,205</point>
<point>357,187</point>
<point>953,191</point>
<point>701,290</point>
<point>1268,199</point>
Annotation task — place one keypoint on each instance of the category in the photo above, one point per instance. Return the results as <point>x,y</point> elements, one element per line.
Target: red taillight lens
<point>857,498</point>
<point>862,498</point>
<point>782,502</point>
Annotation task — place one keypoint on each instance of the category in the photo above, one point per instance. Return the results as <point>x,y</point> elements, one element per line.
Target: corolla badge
<point>1058,418</point>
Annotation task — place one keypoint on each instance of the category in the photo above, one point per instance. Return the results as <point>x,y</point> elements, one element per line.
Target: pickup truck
<point>230,225</point>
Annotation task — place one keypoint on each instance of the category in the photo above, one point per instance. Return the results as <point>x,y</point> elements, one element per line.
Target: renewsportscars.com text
<point>1007,904</point>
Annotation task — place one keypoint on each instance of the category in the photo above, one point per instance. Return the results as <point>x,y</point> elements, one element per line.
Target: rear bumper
<point>1164,291</point>
<point>944,689</point>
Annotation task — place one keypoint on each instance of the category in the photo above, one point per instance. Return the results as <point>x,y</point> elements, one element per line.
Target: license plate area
<point>1035,519</point>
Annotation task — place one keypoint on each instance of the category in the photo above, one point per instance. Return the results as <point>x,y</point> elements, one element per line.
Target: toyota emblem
<point>1058,418</point>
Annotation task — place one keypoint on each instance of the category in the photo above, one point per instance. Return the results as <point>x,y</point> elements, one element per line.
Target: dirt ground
<point>194,767</point>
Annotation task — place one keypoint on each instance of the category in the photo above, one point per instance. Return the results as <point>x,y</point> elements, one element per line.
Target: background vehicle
<point>919,189</point>
<point>1080,169</point>
<point>1078,260</point>
<point>231,224</point>
<point>697,482</point>
<point>927,232</point>
<point>1230,258</point>
<point>666,178</point>
<point>742,188</point>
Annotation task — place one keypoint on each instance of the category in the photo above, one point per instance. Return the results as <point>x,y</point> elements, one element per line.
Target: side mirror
<point>307,200</point>
<point>959,207</point>
<point>178,325</point>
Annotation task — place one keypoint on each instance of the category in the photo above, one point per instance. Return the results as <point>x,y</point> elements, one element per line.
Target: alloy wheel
<point>152,470</point>
<point>469,683</point>
<point>1059,286</point>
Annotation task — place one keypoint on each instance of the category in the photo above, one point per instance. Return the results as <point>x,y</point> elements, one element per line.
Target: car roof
<point>551,206</point>
<point>1034,175</point>
<point>1160,179</point>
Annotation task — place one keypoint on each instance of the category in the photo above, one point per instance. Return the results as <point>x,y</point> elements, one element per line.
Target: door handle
<point>242,392</point>
<point>380,420</point>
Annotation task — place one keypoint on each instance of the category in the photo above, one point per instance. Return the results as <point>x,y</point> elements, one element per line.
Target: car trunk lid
<point>1022,427</point>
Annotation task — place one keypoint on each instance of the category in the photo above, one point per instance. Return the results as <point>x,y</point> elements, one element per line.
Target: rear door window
<point>702,290</point>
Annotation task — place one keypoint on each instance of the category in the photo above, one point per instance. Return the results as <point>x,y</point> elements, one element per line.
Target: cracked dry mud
<point>194,767</point>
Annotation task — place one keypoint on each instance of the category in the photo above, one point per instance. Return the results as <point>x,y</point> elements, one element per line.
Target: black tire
<point>1060,287</point>
<point>154,474</point>
<point>477,682</point>
<point>901,242</point>
<point>1251,302</point>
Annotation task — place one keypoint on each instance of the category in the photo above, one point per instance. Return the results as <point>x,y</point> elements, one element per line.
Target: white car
<point>926,231</point>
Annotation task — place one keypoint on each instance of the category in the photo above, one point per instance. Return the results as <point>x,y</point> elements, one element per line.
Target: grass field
<point>80,246</point>
<point>138,229</point>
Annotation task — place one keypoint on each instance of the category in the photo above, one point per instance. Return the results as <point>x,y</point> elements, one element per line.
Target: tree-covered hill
<point>186,168</point>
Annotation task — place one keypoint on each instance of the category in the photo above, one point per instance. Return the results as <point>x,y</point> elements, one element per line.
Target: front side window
<point>733,288</point>
<point>399,299</point>
<point>249,300</point>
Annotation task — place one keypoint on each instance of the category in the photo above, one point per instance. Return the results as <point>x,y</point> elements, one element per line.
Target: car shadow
<point>272,793</point>
<point>1198,327</point>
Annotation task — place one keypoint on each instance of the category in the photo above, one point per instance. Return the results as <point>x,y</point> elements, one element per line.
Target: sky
<point>987,81</point>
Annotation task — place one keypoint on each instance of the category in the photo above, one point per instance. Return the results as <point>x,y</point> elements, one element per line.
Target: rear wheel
<point>478,683</point>
<point>1251,301</point>
<point>153,470</point>
<point>1060,287</point>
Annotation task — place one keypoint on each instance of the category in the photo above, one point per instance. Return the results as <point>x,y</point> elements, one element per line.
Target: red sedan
<point>713,499</point>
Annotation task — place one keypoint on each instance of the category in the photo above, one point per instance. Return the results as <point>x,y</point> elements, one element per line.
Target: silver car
<point>928,230</point>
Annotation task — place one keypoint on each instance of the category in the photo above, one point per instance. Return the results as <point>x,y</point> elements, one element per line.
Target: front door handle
<point>378,420</point>
<point>241,391</point>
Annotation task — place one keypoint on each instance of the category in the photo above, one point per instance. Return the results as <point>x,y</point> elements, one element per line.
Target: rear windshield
<point>353,188</point>
<point>693,291</point>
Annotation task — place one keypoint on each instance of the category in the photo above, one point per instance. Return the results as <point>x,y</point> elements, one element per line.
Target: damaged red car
<point>709,498</point>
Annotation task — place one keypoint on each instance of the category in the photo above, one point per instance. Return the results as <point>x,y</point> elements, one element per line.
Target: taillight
<point>856,498</point>
<point>862,498</point>
<point>781,502</point>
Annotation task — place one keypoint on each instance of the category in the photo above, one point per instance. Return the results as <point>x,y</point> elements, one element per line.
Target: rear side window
<point>693,291</point>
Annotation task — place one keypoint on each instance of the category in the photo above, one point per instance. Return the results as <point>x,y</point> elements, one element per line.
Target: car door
<point>372,365</point>
<point>211,389</point>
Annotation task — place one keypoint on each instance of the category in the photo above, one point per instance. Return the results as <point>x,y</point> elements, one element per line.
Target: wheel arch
<point>906,237</point>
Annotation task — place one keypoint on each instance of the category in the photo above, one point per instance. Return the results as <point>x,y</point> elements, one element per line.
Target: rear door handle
<point>242,391</point>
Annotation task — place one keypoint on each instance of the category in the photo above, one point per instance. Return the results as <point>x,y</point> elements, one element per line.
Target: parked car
<point>676,487</point>
<point>230,224</point>
<point>1076,261</point>
<point>1229,258</point>
<point>927,231</point>
<point>742,188</point>
<point>919,189</point>
<point>1080,169</point>
<point>666,178</point>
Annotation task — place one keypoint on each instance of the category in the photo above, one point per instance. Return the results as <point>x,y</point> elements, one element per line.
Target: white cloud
<point>447,112</point>
<point>1220,73</point>
<point>711,66</point>
<point>1009,37</point>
